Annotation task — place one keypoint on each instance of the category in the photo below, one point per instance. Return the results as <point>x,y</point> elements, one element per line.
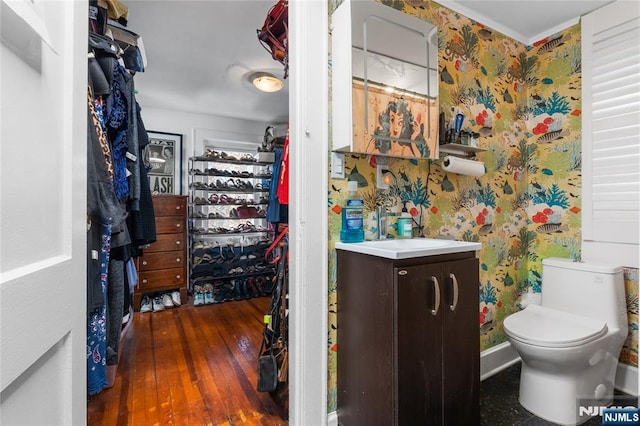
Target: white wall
<point>184,123</point>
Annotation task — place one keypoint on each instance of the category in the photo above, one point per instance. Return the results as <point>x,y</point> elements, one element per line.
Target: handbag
<point>267,370</point>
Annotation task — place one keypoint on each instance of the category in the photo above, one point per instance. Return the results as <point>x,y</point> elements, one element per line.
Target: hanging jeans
<point>97,325</point>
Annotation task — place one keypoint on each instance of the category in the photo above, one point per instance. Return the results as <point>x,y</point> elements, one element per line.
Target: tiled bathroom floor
<point>499,404</point>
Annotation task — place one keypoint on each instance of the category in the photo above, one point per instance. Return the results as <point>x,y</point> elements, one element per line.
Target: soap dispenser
<point>405,226</point>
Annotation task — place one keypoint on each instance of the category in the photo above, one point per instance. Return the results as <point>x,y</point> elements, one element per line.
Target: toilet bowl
<point>569,345</point>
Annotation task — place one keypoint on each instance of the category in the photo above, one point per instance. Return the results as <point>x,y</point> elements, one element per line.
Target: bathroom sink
<point>405,249</point>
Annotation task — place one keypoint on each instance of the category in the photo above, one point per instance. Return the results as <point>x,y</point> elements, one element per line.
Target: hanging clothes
<point>116,184</point>
<point>283,177</point>
<point>103,207</point>
<point>116,120</point>
<point>276,212</point>
<point>142,222</point>
<point>97,325</point>
<point>115,304</point>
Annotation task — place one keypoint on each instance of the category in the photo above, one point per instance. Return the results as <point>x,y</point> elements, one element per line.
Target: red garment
<point>283,182</point>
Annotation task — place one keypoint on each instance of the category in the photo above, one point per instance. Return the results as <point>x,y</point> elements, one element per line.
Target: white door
<point>43,78</point>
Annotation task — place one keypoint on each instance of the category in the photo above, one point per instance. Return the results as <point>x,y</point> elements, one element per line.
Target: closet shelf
<point>209,278</point>
<point>227,218</point>
<point>231,204</point>
<point>234,190</point>
<point>225,161</point>
<point>266,231</point>
<point>222,173</point>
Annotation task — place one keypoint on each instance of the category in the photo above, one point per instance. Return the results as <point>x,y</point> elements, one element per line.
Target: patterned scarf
<point>116,121</point>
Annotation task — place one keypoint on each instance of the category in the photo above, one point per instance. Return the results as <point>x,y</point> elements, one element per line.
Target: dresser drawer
<point>156,280</point>
<point>170,224</point>
<point>164,205</point>
<point>166,242</point>
<point>162,260</point>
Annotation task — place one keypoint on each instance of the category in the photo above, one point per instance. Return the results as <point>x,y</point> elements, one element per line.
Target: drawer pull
<point>454,283</point>
<point>177,243</point>
<point>178,207</point>
<point>177,225</point>
<point>436,286</point>
<point>178,277</point>
<point>178,259</point>
<point>144,280</point>
<point>144,262</point>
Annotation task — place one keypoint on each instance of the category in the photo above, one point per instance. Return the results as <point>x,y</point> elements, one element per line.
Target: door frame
<point>309,151</point>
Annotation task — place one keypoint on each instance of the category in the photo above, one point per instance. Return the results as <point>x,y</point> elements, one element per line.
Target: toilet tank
<point>590,289</point>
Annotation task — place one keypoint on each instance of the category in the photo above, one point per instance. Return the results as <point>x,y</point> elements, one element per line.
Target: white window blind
<point>611,124</point>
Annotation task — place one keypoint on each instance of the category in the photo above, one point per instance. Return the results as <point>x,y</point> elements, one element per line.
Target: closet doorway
<point>308,119</point>
<point>199,57</point>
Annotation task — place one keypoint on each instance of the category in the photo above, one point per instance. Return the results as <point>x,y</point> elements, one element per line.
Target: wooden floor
<point>190,366</point>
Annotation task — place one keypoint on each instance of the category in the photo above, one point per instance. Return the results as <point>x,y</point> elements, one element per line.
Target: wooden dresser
<point>163,266</point>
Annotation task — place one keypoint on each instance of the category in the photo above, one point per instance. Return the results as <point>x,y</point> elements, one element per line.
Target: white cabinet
<point>384,81</point>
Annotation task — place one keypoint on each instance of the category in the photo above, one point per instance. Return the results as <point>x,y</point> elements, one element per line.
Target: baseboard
<point>627,379</point>
<point>497,358</point>
<point>332,419</point>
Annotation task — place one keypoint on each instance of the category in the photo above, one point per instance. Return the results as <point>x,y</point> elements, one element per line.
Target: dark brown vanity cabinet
<point>408,340</point>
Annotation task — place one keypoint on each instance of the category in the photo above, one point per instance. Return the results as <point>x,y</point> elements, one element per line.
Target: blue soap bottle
<point>352,216</point>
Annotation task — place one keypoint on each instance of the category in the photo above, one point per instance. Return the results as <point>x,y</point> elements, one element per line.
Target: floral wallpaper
<point>524,103</point>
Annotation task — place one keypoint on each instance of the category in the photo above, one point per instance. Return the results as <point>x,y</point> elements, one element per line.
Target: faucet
<point>382,223</point>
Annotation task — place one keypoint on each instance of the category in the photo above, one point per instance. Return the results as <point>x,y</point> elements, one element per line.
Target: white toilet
<point>570,344</point>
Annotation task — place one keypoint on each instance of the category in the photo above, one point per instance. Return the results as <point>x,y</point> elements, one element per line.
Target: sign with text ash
<point>163,157</point>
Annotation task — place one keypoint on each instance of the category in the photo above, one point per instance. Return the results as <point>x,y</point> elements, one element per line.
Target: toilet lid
<point>541,326</point>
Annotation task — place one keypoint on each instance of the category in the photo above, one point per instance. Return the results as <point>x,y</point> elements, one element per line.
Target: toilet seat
<point>540,326</point>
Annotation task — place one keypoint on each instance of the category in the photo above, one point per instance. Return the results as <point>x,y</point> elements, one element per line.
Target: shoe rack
<point>228,229</point>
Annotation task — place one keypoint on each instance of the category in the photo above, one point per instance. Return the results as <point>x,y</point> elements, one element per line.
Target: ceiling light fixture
<point>266,82</point>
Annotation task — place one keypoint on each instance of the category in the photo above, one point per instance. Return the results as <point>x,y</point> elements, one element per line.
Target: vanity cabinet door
<point>419,344</point>
<point>461,343</point>
<point>438,343</point>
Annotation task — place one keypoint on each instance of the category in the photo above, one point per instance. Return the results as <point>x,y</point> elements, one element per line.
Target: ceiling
<point>199,51</point>
<point>197,54</point>
<point>525,20</point>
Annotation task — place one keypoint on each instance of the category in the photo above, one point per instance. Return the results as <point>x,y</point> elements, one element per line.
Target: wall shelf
<point>462,150</point>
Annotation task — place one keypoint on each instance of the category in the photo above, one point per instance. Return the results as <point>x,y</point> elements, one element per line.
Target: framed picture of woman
<point>164,162</point>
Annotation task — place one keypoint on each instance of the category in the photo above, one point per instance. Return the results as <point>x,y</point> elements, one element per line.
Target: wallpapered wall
<point>525,102</point>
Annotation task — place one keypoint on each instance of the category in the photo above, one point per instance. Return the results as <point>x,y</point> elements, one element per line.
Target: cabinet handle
<point>144,280</point>
<point>177,243</point>
<point>177,225</point>
<point>144,262</point>
<point>454,284</point>
<point>436,286</point>
<point>178,259</point>
<point>178,207</point>
<point>177,277</point>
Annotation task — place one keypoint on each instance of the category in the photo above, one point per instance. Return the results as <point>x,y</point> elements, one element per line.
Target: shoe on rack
<point>166,301</point>
<point>198,296</point>
<point>145,305</point>
<point>218,296</point>
<point>208,294</point>
<point>157,304</point>
<point>175,298</point>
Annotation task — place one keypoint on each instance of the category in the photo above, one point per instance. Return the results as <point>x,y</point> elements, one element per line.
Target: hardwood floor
<point>190,366</point>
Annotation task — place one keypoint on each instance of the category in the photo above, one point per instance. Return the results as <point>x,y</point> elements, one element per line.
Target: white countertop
<point>408,248</point>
